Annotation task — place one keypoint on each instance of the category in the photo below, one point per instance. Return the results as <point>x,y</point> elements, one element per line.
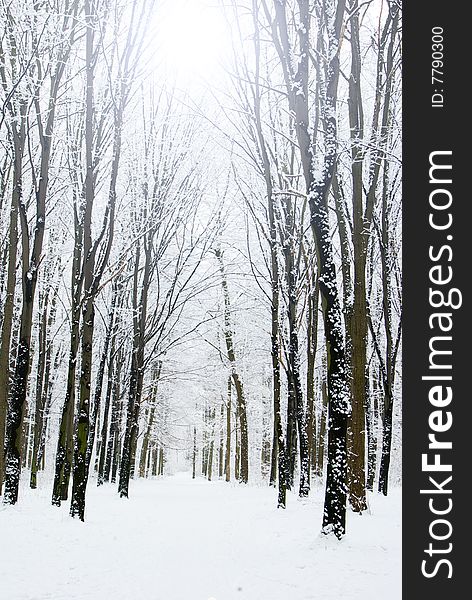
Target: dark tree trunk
<point>291,434</point>
<point>16,408</point>
<point>220,451</point>
<point>99,384</point>
<point>212,445</point>
<point>32,248</point>
<point>194,453</point>
<point>80,467</point>
<point>228,434</point>
<point>64,452</point>
<point>296,418</point>
<point>204,442</point>
<point>312,336</point>
<point>238,385</point>
<point>42,380</point>
<point>140,303</point>
<point>317,191</point>
<point>106,426</point>
<point>360,234</point>
<point>154,460</point>
<point>7,322</point>
<point>150,422</point>
<point>371,436</point>
<point>278,446</point>
<point>115,419</point>
<point>386,446</point>
<point>39,407</point>
<point>49,380</point>
<point>131,428</point>
<point>320,451</point>
<point>237,447</point>
<point>274,452</point>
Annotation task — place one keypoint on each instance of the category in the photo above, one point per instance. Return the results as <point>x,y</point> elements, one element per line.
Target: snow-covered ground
<point>178,539</point>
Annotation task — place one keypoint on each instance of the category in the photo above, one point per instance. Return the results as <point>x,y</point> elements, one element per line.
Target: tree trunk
<point>194,453</point>
<point>318,189</point>
<point>79,480</point>
<point>42,379</point>
<point>114,420</point>
<point>212,445</point>
<point>17,405</point>
<point>150,422</point>
<point>359,326</point>
<point>8,307</point>
<point>278,446</point>
<point>220,451</point>
<point>371,436</point>
<point>131,428</point>
<point>228,434</point>
<point>80,470</point>
<point>296,418</point>
<point>47,391</point>
<point>386,445</point>
<point>274,452</point>
<point>238,385</point>
<point>154,457</point>
<point>31,259</point>
<point>106,426</point>
<point>99,383</point>
<point>64,452</point>
<point>312,336</point>
<point>237,447</point>
<point>322,433</point>
<point>140,303</point>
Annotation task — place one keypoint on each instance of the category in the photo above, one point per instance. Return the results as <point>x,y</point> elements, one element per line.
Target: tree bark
<point>334,516</point>
<point>99,381</point>
<point>312,337</point>
<point>42,380</point>
<point>31,258</point>
<point>220,449</point>
<point>137,368</point>
<point>114,420</point>
<point>238,385</point>
<point>7,323</point>
<point>278,445</point>
<point>194,453</point>
<point>360,233</point>
<point>150,422</point>
<point>228,434</point>
<point>106,426</point>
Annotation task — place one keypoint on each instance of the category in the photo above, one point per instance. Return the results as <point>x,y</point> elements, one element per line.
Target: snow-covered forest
<point>200,294</point>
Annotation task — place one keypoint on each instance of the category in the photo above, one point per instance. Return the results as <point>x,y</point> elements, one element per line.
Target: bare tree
<point>32,242</point>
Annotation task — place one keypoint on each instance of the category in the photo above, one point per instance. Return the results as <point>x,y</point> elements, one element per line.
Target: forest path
<point>183,539</point>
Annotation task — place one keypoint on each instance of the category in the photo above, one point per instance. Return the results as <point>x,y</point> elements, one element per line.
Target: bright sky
<point>191,37</point>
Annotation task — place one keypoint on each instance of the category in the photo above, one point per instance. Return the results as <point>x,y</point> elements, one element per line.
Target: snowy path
<point>178,539</point>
